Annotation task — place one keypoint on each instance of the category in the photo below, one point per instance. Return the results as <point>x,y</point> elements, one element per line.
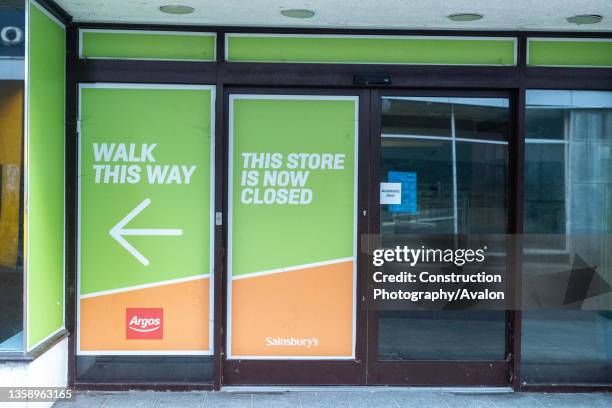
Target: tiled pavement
<point>348,398</point>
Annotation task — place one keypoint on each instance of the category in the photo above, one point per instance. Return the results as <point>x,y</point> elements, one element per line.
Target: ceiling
<point>397,14</point>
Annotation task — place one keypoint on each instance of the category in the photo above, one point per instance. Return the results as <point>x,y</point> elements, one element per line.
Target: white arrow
<point>118,232</point>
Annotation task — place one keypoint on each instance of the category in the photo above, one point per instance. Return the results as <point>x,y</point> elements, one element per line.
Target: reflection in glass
<point>456,150</point>
<point>481,118</point>
<point>416,116</point>
<point>568,191</point>
<point>482,177</point>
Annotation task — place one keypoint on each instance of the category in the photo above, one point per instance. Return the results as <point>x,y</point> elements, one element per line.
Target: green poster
<point>292,225</point>
<point>145,210</point>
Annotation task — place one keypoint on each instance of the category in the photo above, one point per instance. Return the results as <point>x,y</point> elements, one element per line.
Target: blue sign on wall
<point>409,191</point>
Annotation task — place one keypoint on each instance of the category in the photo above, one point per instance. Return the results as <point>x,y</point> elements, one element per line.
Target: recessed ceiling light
<point>298,13</point>
<point>176,9</point>
<point>465,16</point>
<point>585,19</point>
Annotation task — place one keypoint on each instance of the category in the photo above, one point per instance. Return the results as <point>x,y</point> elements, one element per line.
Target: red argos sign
<point>144,323</point>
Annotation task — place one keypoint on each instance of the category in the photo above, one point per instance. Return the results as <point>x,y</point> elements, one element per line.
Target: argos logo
<point>144,323</point>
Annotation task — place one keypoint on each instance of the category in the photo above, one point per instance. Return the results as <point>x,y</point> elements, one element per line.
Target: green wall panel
<point>371,50</point>
<point>123,44</point>
<point>571,53</point>
<point>45,176</point>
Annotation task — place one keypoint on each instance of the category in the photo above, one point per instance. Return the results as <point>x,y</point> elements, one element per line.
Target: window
<point>11,175</point>
<point>568,197</point>
<point>454,153</point>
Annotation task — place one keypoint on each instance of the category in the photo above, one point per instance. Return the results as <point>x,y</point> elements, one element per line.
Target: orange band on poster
<point>306,312</point>
<point>104,326</point>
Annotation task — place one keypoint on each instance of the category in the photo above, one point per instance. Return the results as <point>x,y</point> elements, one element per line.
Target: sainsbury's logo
<point>144,323</point>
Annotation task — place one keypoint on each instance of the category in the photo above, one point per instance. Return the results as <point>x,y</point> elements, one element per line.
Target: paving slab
<point>228,400</point>
<point>134,399</point>
<point>346,398</point>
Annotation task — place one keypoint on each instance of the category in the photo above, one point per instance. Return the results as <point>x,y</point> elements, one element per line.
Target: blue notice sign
<point>409,191</point>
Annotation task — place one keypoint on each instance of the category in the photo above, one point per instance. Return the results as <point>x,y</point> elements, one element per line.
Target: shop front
<point>223,187</point>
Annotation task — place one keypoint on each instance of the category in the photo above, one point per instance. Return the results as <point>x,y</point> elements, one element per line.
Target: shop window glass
<point>457,149</point>
<point>568,197</point>
<point>11,174</point>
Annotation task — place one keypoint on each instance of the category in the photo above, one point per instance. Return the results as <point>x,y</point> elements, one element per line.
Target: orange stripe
<point>185,321</point>
<point>311,303</point>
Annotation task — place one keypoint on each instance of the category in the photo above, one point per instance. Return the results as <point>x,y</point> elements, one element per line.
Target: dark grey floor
<point>347,398</point>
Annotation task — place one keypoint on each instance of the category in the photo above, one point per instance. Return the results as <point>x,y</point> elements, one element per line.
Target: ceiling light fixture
<point>585,19</point>
<point>298,13</point>
<point>176,9</point>
<point>465,17</point>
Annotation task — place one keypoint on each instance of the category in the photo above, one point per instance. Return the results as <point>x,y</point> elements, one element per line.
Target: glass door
<point>292,257</point>
<point>452,154</point>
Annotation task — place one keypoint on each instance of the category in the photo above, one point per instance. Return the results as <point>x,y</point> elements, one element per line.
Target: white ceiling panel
<point>377,14</point>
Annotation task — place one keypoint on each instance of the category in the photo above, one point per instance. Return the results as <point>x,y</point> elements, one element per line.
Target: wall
<point>45,176</point>
<point>48,370</point>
